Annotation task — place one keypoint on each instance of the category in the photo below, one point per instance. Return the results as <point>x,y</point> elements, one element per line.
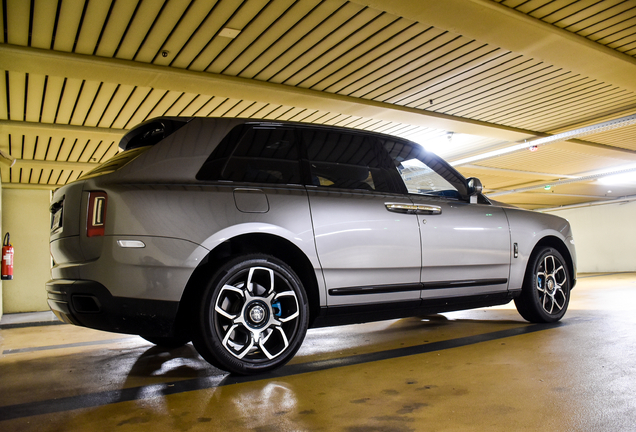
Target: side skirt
<point>343,315</point>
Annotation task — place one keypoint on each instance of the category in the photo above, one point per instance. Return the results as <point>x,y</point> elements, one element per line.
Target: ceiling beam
<point>126,72</point>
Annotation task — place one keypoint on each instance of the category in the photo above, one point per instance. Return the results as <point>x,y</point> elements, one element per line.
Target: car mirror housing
<point>474,187</point>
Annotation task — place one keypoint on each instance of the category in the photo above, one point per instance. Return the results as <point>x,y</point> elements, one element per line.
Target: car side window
<point>349,161</point>
<point>263,154</point>
<point>424,173</point>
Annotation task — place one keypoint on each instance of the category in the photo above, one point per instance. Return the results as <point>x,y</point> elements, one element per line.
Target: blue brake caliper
<point>277,308</point>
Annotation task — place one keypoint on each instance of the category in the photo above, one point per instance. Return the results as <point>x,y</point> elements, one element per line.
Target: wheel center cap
<point>257,314</point>
<point>550,285</point>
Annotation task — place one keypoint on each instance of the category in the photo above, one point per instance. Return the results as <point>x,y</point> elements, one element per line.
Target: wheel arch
<point>244,244</point>
<point>557,243</point>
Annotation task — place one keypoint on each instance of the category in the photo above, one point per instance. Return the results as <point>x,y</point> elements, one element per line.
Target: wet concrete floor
<point>476,370</point>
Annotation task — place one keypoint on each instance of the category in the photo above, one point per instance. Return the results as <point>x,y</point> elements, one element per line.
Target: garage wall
<point>604,237</point>
<point>2,234</point>
<point>25,216</point>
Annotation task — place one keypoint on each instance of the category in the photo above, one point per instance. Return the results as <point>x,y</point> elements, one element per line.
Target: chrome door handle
<point>422,209</point>
<point>425,209</point>
<point>401,208</point>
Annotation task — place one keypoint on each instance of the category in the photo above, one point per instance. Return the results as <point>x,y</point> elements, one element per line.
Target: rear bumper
<point>89,304</point>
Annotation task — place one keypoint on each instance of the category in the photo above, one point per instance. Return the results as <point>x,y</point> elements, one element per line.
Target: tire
<point>546,287</point>
<point>167,342</point>
<point>253,316</point>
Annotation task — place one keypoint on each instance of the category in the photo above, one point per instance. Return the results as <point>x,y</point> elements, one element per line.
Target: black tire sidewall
<point>529,303</point>
<point>209,342</point>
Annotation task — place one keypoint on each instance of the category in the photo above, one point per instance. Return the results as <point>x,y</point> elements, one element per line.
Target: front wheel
<point>253,317</point>
<point>546,287</point>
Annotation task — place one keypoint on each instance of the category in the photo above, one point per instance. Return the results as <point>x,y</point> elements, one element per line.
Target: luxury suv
<point>239,235</point>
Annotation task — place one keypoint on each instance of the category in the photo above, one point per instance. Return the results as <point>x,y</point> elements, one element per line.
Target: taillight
<point>96,217</point>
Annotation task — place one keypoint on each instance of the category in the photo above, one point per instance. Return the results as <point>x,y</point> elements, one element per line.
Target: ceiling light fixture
<point>564,136</point>
<point>229,32</point>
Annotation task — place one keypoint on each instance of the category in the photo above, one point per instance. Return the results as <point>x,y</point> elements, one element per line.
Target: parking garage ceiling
<point>477,81</point>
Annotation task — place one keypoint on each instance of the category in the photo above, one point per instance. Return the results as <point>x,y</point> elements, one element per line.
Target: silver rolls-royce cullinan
<point>240,234</point>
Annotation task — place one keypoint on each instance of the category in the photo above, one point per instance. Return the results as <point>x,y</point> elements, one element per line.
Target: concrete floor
<point>477,370</point>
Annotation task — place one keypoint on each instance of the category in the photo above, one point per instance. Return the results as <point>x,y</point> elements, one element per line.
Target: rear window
<point>115,163</point>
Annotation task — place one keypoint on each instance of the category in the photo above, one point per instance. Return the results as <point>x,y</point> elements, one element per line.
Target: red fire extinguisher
<point>7,259</point>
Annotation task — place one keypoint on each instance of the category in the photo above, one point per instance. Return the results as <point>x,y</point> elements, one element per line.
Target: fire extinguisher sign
<point>7,258</point>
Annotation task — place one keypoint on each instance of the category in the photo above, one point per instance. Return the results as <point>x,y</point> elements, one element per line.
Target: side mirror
<point>474,187</point>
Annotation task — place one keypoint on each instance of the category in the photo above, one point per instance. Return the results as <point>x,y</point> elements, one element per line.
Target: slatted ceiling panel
<point>553,84</point>
<point>18,12</point>
<point>369,67</point>
<point>624,137</point>
<point>2,21</point>
<point>162,27</point>
<point>560,109</point>
<point>280,61</point>
<point>109,150</point>
<point>85,99</point>
<point>114,106</point>
<point>130,107</point>
<point>452,78</point>
<point>459,93</point>
<point>52,93</point>
<point>609,22</point>
<point>242,14</point>
<point>127,25</point>
<point>29,144</point>
<point>254,57</point>
<point>252,31</point>
<point>34,96</point>
<point>68,23</point>
<point>515,104</point>
<point>44,12</point>
<point>278,54</point>
<point>93,20</point>
<point>395,67</point>
<point>224,107</point>
<point>476,80</point>
<point>180,104</point>
<point>481,98</point>
<point>4,99</point>
<point>191,19</point>
<point>68,100</point>
<point>346,70</point>
<point>99,103</point>
<point>446,63</point>
<point>550,123</point>
<point>553,101</point>
<point>564,114</point>
<point>17,81</point>
<point>337,49</point>
<point>41,147</point>
<point>609,26</point>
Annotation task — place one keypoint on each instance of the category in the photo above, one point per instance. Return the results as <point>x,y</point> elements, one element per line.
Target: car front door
<point>465,246</point>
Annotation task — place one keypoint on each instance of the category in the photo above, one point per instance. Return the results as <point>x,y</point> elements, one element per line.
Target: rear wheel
<point>253,317</point>
<point>546,287</point>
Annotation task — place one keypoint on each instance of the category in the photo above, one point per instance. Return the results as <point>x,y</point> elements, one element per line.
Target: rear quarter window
<point>261,155</point>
